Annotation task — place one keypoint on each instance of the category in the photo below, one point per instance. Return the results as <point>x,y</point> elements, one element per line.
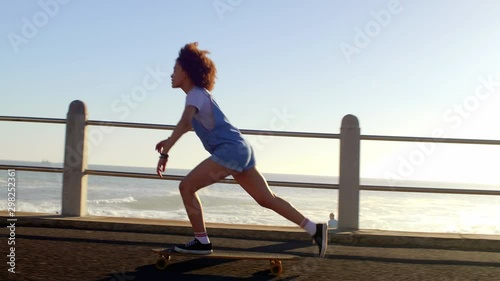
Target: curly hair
<point>198,66</point>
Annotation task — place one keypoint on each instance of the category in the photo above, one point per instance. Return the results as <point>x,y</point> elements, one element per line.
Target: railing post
<point>74,190</point>
<point>349,173</point>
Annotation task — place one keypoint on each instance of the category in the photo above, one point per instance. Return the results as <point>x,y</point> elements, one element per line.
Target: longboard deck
<point>240,255</point>
<point>273,258</point>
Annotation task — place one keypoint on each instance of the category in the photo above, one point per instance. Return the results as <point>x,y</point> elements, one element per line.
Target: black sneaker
<point>194,247</point>
<point>321,238</point>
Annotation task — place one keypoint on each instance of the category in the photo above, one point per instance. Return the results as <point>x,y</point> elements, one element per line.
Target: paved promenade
<point>69,254</point>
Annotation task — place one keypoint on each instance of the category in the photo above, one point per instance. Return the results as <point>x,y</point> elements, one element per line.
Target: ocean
<point>228,203</point>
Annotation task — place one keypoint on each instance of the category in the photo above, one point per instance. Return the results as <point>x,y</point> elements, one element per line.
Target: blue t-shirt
<point>219,137</point>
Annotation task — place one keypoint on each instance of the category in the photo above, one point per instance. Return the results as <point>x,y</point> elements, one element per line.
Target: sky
<point>403,68</point>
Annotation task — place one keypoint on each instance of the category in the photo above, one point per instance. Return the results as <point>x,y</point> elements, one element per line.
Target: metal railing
<point>294,184</point>
<point>427,139</point>
<point>75,168</point>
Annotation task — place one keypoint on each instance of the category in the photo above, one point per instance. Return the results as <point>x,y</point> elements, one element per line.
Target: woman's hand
<point>162,164</point>
<point>182,127</point>
<point>160,145</point>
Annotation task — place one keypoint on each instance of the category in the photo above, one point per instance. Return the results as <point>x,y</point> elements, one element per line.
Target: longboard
<point>275,260</point>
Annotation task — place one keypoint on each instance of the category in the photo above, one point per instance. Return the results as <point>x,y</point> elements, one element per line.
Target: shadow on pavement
<point>180,271</point>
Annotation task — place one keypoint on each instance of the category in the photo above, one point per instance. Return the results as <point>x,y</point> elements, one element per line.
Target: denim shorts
<point>238,156</point>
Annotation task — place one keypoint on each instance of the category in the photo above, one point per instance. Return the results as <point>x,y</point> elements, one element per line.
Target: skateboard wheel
<point>276,267</point>
<point>162,263</point>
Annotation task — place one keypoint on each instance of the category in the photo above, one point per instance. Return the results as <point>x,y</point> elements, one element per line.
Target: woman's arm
<point>183,126</point>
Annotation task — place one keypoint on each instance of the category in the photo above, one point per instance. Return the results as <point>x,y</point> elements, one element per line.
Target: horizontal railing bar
<point>258,132</point>
<point>33,119</point>
<point>154,176</point>
<point>272,183</point>
<point>303,184</point>
<point>230,181</point>
<point>291,134</point>
<point>246,132</point>
<point>429,190</point>
<point>32,168</point>
<point>131,175</point>
<point>167,127</point>
<point>130,125</point>
<point>427,139</point>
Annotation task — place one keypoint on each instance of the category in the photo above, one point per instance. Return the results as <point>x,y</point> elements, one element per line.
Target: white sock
<point>308,226</point>
<point>202,237</point>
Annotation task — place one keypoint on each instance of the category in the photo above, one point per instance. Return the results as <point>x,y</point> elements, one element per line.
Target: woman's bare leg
<point>206,173</point>
<point>254,184</point>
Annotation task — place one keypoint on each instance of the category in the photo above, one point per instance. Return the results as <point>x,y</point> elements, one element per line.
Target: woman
<point>230,153</point>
